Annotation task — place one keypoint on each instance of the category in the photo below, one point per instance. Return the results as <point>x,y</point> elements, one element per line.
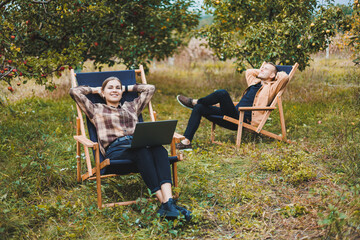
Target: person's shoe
<point>181,146</point>
<point>168,209</point>
<point>185,212</point>
<point>185,101</point>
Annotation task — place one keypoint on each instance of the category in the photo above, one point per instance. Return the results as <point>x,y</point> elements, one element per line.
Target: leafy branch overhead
<point>284,32</point>
<point>355,31</point>
<point>42,38</point>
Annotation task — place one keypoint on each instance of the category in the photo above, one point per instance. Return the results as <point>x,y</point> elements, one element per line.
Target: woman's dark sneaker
<point>185,212</point>
<point>168,209</point>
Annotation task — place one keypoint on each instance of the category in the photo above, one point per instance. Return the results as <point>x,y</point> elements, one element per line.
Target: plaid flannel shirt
<point>110,122</point>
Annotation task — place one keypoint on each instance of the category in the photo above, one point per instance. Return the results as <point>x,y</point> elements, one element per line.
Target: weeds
<point>294,166</point>
<point>265,190</point>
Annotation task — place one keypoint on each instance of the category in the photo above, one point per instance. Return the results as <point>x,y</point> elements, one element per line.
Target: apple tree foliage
<point>280,31</point>
<point>41,38</point>
<point>355,31</point>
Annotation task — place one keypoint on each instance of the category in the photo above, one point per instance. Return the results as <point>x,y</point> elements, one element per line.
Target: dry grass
<point>265,190</point>
<point>30,89</point>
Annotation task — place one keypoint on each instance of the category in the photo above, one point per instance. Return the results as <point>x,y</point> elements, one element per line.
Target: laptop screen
<point>153,133</point>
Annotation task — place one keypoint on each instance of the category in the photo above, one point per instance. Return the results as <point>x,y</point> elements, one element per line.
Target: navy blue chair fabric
<point>284,68</point>
<point>218,119</point>
<point>95,79</point>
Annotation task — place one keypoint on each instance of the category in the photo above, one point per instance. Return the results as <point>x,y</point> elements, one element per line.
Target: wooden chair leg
<point>98,178</point>
<point>78,162</point>
<point>282,119</point>
<point>173,147</point>
<point>212,137</point>
<point>78,152</point>
<point>175,175</point>
<point>174,165</point>
<point>240,127</point>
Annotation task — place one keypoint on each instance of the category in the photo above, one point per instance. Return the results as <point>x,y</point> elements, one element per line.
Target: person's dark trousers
<point>204,108</point>
<point>152,163</point>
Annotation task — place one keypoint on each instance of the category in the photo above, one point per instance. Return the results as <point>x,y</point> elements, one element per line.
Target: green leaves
<point>284,32</point>
<point>67,33</point>
<point>354,23</point>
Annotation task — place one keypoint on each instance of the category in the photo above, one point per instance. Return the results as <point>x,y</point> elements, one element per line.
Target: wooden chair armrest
<point>230,119</point>
<point>85,141</point>
<point>176,139</point>
<point>256,108</point>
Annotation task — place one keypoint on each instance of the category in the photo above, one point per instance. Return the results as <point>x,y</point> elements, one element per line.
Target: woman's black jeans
<point>152,163</point>
<point>204,108</point>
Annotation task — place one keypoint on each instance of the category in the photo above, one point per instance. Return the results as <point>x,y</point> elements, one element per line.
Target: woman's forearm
<point>95,90</point>
<point>79,95</point>
<point>139,88</point>
<point>146,92</point>
<point>129,88</point>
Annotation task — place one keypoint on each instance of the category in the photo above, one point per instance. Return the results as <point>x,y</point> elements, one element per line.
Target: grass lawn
<point>265,190</point>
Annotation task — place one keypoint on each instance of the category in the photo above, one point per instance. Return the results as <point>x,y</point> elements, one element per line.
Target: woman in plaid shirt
<point>115,124</point>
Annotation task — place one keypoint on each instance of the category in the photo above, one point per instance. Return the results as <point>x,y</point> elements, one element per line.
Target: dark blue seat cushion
<point>284,68</point>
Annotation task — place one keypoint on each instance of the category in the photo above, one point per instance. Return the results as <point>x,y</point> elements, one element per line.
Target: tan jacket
<point>266,93</point>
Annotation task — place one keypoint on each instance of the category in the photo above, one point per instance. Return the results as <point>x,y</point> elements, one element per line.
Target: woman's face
<point>112,93</point>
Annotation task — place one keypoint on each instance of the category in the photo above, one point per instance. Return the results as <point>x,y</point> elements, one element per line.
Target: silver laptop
<point>153,133</point>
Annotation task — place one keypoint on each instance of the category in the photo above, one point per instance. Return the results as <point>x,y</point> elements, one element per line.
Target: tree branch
<point>10,68</point>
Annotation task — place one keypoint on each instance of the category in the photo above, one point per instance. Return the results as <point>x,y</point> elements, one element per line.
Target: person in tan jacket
<point>263,85</point>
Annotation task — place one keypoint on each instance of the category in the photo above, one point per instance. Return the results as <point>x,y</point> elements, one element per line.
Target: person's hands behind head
<point>96,90</point>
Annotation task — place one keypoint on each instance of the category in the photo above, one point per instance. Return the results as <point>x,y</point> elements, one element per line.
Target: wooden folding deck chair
<point>126,166</point>
<point>235,124</point>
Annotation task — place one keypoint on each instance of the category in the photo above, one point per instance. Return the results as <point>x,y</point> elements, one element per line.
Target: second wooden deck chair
<point>236,125</point>
<point>123,166</point>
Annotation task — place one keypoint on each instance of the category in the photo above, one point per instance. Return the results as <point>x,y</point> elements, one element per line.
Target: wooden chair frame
<point>259,129</point>
<point>82,140</point>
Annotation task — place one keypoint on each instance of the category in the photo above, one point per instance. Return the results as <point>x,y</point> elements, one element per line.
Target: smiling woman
<point>115,124</point>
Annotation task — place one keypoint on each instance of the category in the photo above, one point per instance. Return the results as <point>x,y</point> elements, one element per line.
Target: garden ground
<point>265,190</point>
